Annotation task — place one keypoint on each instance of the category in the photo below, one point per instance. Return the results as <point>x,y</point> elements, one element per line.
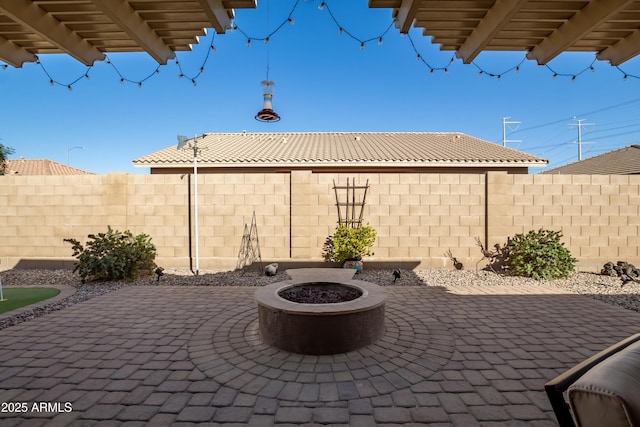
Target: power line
<point>611,107</point>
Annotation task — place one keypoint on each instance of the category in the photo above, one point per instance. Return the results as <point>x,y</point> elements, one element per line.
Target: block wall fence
<point>418,216</point>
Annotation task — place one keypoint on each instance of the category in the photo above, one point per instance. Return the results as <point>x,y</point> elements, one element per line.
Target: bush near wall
<point>114,255</point>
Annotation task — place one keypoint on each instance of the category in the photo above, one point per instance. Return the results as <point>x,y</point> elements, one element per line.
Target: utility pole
<point>504,131</point>
<point>579,125</point>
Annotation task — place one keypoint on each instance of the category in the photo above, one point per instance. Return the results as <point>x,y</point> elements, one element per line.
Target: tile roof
<point>320,149</point>
<point>623,161</point>
<point>41,167</point>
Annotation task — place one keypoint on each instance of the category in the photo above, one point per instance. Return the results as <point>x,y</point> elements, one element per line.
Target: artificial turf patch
<point>21,297</point>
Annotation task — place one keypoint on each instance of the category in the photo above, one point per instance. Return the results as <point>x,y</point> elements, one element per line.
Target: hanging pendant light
<point>267,114</point>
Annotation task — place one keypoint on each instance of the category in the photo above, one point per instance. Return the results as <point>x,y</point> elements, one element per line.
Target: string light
<point>362,42</point>
<point>342,30</point>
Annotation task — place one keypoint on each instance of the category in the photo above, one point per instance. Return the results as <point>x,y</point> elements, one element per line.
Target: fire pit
<point>336,314</point>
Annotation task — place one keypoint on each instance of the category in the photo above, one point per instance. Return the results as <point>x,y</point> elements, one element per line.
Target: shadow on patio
<point>172,354</point>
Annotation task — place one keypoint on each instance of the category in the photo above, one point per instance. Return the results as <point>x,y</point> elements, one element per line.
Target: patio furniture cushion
<point>607,395</point>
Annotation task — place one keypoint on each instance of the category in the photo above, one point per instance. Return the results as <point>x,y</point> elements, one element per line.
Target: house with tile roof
<point>623,161</point>
<point>436,152</point>
<point>24,167</point>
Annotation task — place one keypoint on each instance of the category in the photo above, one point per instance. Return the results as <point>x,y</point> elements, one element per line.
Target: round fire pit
<point>314,326</point>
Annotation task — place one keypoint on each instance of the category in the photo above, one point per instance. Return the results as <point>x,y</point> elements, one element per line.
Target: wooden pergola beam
<point>30,15</point>
<point>496,18</point>
<point>405,15</point>
<point>217,14</point>
<point>13,54</point>
<point>588,18</point>
<point>623,50</point>
<point>126,18</point>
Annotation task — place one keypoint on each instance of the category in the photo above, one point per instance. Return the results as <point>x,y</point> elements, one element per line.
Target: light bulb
<point>321,6</point>
<point>51,82</point>
<point>341,30</point>
<point>248,42</point>
<point>266,41</point>
<point>70,88</point>
<point>291,21</point>
<point>139,85</point>
<point>380,41</point>
<point>361,45</point>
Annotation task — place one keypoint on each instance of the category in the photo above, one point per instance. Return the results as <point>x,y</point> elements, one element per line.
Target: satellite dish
<point>182,141</point>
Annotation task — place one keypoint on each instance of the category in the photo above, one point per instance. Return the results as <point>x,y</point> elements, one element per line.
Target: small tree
<point>4,153</point>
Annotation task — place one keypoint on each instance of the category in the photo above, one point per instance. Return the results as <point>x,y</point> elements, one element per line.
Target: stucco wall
<point>419,217</point>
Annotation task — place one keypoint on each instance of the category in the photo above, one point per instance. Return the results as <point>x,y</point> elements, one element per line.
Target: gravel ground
<point>605,288</point>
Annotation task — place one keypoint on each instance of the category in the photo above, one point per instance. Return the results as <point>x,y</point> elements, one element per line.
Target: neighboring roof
<point>85,29</point>
<point>624,161</point>
<point>331,149</point>
<point>542,28</point>
<point>41,167</point>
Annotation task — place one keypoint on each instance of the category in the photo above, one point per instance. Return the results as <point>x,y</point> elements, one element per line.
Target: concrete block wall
<point>419,217</point>
<point>599,215</point>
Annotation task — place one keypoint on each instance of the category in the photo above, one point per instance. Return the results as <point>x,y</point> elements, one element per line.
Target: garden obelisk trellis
<point>351,207</point>
<point>250,246</point>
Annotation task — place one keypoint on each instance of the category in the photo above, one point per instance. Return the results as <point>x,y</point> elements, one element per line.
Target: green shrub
<point>114,255</point>
<point>352,243</point>
<point>539,254</point>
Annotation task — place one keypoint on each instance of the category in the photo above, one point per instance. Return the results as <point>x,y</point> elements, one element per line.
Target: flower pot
<point>355,264</point>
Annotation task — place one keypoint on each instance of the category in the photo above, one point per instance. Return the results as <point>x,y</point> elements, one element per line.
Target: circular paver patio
<point>161,355</point>
<point>227,349</point>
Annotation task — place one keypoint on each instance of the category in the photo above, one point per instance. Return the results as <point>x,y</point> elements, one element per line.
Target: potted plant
<point>351,244</point>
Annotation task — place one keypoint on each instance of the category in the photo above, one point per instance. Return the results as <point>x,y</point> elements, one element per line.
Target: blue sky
<point>324,82</point>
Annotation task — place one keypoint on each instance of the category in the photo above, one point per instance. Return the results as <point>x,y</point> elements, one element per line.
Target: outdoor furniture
<point>604,390</point>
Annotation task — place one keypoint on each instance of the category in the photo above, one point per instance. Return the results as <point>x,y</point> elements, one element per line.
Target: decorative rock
<point>271,269</point>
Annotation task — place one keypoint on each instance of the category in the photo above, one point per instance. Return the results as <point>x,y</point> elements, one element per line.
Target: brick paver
<point>458,356</point>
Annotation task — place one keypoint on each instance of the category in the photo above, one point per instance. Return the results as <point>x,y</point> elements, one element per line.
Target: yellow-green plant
<point>352,243</point>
